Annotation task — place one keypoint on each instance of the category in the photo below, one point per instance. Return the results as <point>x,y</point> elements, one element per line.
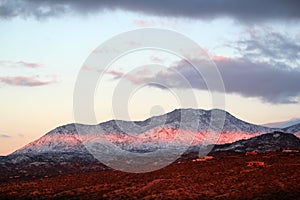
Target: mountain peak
<point>64,129</point>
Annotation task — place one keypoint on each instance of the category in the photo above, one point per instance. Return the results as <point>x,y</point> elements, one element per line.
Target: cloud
<point>133,77</point>
<point>157,59</point>
<point>9,136</point>
<point>4,136</point>
<point>116,74</point>
<point>21,135</point>
<point>29,64</point>
<point>273,84</point>
<point>264,43</point>
<point>29,81</point>
<point>20,64</point>
<point>144,23</point>
<point>255,10</point>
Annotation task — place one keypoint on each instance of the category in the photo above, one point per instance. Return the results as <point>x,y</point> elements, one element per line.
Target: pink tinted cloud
<point>29,81</point>
<point>133,43</point>
<point>251,31</point>
<point>29,64</point>
<point>88,68</point>
<point>20,64</point>
<point>115,73</point>
<point>157,59</point>
<point>155,22</point>
<point>143,72</point>
<point>143,23</point>
<point>136,77</point>
<point>221,58</point>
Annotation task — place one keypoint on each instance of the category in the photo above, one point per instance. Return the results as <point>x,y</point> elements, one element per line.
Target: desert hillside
<point>227,175</point>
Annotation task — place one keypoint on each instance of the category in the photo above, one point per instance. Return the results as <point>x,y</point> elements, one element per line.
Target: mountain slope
<point>264,143</point>
<point>295,129</point>
<point>143,136</point>
<point>283,124</point>
<point>58,140</point>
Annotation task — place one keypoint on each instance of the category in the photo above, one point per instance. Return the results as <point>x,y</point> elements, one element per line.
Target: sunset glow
<point>41,54</point>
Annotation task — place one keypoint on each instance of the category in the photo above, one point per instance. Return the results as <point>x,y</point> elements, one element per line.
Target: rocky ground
<point>227,176</point>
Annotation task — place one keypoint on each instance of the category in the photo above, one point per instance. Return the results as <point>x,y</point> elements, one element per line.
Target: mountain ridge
<point>66,138</point>
<point>283,124</point>
<point>59,150</point>
<point>295,129</point>
<point>269,142</point>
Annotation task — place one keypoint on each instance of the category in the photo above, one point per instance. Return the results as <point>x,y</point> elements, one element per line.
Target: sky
<point>44,44</point>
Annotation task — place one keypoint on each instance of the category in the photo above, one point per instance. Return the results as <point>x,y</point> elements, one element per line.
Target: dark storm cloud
<point>255,10</point>
<point>273,84</point>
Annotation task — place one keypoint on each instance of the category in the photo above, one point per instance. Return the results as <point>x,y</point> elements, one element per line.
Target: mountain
<point>74,147</point>
<point>61,139</point>
<point>69,148</point>
<point>283,124</point>
<point>295,129</point>
<point>144,136</point>
<point>264,143</point>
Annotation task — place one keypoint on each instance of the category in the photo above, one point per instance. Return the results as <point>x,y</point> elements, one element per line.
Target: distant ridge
<point>295,129</point>
<point>283,124</point>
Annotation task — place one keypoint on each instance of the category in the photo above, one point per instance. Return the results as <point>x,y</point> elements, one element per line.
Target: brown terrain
<point>225,175</point>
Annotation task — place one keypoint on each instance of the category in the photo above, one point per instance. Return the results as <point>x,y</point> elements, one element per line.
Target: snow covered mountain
<point>62,139</point>
<point>143,136</point>
<point>295,129</point>
<point>264,143</point>
<point>283,124</point>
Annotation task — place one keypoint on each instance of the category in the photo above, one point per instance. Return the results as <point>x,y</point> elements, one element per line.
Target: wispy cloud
<point>29,64</point>
<point>4,136</point>
<point>21,135</point>
<point>246,11</point>
<point>267,44</point>
<point>29,81</point>
<point>144,23</point>
<point>20,64</point>
<point>11,136</point>
<point>157,59</point>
